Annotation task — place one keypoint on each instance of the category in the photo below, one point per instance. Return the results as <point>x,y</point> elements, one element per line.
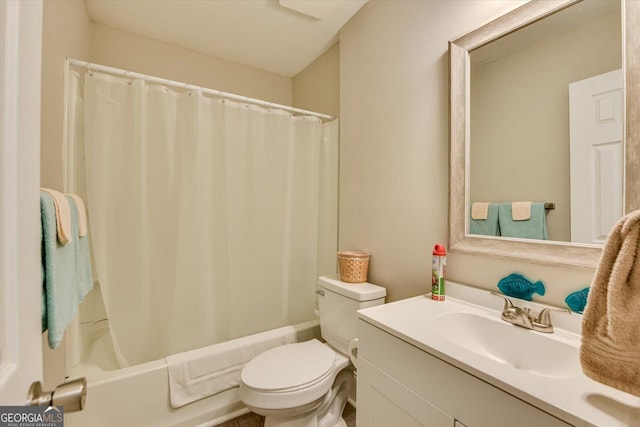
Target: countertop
<point>573,398</point>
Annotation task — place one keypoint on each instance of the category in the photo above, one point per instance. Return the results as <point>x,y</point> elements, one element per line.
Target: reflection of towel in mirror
<point>610,351</point>
<point>484,219</point>
<point>533,228</point>
<point>520,211</point>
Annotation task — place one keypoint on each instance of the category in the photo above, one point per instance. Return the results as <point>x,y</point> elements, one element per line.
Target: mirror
<point>482,173</point>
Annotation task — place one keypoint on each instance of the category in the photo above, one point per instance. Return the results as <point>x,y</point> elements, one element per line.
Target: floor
<point>255,420</point>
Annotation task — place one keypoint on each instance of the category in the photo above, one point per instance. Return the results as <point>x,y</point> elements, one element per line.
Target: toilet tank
<point>338,304</point>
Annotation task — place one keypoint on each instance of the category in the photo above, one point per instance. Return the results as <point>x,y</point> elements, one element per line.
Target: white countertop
<point>574,398</point>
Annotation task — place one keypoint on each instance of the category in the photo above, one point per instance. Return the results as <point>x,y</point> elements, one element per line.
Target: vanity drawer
<point>468,399</point>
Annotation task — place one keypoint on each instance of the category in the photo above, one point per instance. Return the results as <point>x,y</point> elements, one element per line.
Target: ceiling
<point>280,36</point>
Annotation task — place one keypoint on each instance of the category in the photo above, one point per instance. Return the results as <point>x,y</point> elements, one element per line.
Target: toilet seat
<point>289,367</point>
<point>290,375</point>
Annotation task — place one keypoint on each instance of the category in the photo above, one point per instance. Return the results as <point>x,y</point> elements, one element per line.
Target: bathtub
<point>138,396</point>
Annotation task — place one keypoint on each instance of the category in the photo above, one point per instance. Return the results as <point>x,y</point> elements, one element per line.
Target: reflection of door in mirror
<point>597,156</point>
<point>519,106</point>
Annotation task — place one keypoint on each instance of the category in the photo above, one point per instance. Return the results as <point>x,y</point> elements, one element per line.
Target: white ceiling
<point>260,33</point>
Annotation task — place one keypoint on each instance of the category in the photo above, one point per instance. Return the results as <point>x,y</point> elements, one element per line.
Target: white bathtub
<point>138,396</point>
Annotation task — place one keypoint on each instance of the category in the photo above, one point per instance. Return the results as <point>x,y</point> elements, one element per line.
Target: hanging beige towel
<point>610,351</point>
<point>82,214</point>
<point>479,210</point>
<point>63,215</point>
<point>520,211</point>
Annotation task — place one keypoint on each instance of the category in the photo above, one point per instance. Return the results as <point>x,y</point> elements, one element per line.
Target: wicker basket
<point>353,266</point>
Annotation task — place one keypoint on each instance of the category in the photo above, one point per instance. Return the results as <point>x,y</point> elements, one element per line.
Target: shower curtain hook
<point>87,65</point>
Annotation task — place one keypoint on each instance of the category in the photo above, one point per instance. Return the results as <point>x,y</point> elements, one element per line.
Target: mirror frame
<point>547,252</point>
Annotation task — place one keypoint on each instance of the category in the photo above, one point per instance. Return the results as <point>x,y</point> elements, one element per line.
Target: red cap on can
<point>439,250</point>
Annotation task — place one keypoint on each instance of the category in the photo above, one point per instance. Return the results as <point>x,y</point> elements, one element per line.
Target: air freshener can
<point>439,268</point>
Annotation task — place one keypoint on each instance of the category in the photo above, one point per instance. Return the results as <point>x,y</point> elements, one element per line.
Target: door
<point>597,156</point>
<point>20,285</point>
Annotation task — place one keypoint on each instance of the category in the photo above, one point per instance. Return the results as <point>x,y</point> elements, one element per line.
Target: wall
<point>66,32</point>
<point>317,87</point>
<point>128,51</point>
<point>394,147</point>
<point>520,117</point>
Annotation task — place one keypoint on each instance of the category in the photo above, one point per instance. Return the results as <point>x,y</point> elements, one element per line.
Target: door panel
<point>597,156</point>
<point>20,285</point>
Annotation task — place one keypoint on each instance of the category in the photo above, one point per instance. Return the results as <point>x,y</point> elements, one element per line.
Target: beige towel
<point>480,210</point>
<point>82,214</point>
<point>63,215</point>
<point>610,351</point>
<point>520,211</point>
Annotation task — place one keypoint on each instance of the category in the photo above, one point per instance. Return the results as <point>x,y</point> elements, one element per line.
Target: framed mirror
<point>476,111</point>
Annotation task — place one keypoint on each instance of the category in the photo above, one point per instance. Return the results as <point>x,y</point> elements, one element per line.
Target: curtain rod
<point>116,71</point>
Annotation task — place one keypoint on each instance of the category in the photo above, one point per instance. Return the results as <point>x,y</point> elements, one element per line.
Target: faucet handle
<point>507,302</point>
<point>544,318</point>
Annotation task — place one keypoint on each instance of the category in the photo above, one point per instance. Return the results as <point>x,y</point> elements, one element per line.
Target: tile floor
<point>255,420</point>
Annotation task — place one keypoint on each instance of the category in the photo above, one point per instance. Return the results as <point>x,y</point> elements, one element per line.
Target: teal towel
<point>533,228</point>
<point>66,271</point>
<point>486,227</point>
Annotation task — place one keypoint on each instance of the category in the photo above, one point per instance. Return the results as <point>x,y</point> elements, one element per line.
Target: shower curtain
<point>206,216</point>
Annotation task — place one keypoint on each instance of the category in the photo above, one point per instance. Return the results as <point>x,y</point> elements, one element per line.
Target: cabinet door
<point>384,402</point>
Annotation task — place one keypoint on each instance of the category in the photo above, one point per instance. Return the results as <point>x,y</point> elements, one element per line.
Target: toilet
<point>307,384</point>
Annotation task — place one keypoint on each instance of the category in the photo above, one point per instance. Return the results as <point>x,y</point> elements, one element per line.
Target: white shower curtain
<point>204,214</point>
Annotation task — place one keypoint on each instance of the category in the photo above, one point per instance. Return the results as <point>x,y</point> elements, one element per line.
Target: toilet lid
<point>289,366</point>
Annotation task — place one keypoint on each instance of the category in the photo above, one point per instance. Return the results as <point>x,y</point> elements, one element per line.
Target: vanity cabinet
<point>383,401</point>
<point>400,384</point>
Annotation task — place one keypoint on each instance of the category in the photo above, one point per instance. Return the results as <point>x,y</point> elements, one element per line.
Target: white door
<point>20,286</point>
<point>597,156</point>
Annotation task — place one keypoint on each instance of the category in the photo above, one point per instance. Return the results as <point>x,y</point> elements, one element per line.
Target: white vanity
<point>456,363</point>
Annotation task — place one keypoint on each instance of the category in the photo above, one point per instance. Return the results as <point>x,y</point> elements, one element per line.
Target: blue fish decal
<point>517,286</point>
<point>577,300</point>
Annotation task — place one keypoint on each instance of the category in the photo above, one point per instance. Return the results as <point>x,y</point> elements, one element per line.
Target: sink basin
<point>524,349</point>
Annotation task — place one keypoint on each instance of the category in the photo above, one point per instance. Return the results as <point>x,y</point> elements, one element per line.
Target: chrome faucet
<point>520,316</point>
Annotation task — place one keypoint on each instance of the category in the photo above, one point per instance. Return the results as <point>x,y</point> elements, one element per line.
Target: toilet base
<point>304,420</point>
<point>310,420</point>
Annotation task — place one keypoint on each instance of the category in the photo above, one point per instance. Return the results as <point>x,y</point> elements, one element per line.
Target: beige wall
<point>317,87</point>
<point>66,32</point>
<point>520,117</point>
<point>127,51</point>
<point>394,147</point>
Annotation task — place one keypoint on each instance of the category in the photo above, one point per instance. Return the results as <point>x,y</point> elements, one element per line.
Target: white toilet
<point>307,384</point>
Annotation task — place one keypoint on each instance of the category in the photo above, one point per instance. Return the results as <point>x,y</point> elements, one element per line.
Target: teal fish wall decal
<point>517,286</point>
<point>577,300</point>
